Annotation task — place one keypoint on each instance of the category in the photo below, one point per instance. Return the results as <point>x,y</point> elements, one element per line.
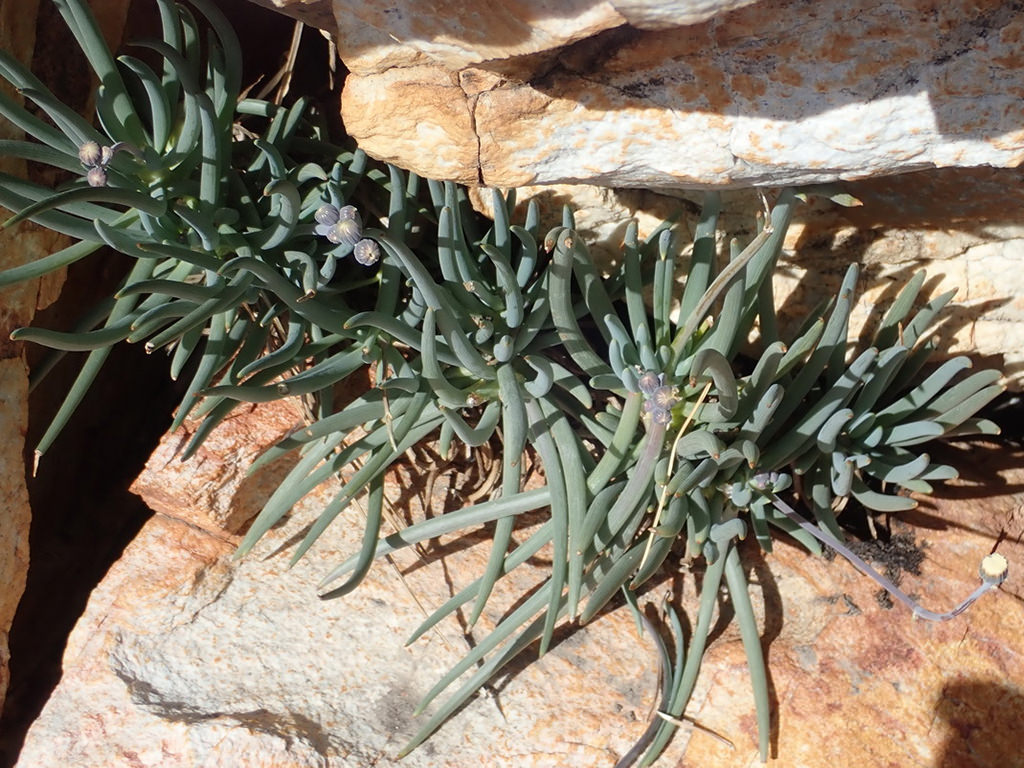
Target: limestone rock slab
<point>600,98</point>
<point>188,658</point>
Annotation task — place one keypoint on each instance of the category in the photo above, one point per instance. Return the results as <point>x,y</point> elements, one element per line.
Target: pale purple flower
<point>339,225</point>
<point>326,216</point>
<point>659,398</point>
<point>650,381</point>
<point>96,159</point>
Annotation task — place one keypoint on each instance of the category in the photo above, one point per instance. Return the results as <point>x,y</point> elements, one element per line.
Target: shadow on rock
<point>982,724</point>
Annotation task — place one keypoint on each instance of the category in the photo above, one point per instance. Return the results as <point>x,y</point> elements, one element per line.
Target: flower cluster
<point>344,226</point>
<point>95,158</point>
<point>659,397</point>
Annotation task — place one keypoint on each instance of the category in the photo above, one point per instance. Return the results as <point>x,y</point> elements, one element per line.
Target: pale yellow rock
<point>456,34</point>
<point>373,38</point>
<point>186,657</point>
<point>442,133</point>
<point>214,490</point>
<point>531,20</point>
<point>315,13</point>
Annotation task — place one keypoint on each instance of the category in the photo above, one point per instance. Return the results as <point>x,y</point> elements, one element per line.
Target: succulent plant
<point>176,178</point>
<point>656,437</point>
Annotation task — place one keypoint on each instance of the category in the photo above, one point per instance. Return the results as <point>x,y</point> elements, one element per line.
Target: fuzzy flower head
<point>96,176</point>
<point>95,159</point>
<point>90,154</point>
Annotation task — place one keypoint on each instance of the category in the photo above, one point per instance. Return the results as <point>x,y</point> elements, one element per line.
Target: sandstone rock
<point>315,13</point>
<point>186,657</point>
<point>874,687</point>
<point>457,35</point>
<point>609,96</point>
<point>213,490</point>
<point>442,124</point>
<point>15,515</point>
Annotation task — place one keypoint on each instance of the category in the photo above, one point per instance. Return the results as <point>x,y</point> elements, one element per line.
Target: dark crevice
<point>83,515</point>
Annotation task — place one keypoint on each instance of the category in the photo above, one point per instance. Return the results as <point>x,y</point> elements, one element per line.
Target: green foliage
<point>652,431</point>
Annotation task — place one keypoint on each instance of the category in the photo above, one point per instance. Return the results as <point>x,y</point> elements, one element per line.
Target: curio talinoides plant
<point>270,260</point>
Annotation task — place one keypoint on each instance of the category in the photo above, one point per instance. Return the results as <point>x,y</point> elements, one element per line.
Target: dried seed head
<point>366,252</point>
<point>994,568</point>
<point>90,154</point>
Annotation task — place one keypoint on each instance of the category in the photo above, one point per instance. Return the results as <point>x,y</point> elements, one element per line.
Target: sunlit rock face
<point>776,92</point>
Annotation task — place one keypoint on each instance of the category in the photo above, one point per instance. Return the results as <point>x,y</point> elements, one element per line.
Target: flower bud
<point>649,382</point>
<point>90,154</point>
<point>661,415</point>
<point>366,252</point>
<point>326,214</point>
<point>345,231</point>
<point>349,213</point>
<point>97,177</point>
